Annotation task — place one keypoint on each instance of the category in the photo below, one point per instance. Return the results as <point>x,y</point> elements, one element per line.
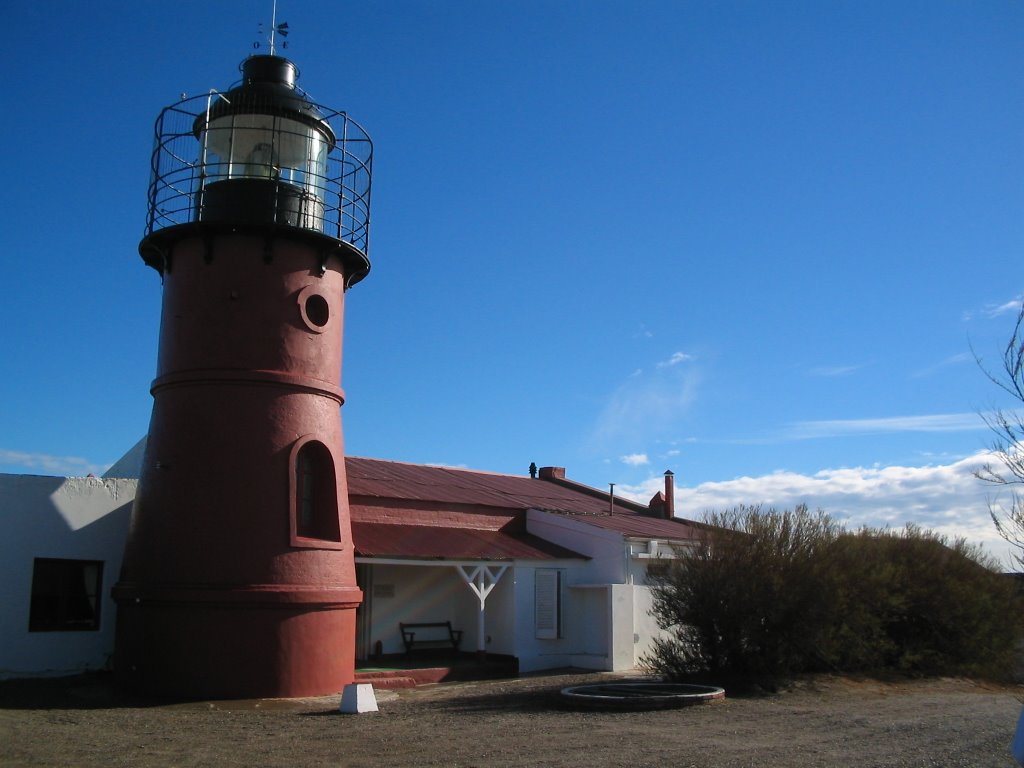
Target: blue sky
<point>753,243</point>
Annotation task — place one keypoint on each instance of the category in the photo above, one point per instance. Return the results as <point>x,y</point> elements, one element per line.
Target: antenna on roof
<point>275,30</point>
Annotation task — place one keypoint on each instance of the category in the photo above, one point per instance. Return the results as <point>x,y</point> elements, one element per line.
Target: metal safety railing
<point>181,171</point>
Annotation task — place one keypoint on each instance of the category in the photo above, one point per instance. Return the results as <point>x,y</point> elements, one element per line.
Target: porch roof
<point>429,542</point>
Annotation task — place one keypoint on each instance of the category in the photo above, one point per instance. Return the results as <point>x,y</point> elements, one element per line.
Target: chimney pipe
<point>611,498</point>
<point>670,494</point>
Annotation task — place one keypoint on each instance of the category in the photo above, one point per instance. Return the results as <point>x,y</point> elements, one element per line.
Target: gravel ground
<point>818,722</point>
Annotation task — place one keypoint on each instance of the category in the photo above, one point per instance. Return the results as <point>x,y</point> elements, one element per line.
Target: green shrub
<point>921,604</point>
<point>767,594</point>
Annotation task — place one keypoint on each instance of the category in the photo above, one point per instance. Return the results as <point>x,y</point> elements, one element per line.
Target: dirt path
<point>826,722</point>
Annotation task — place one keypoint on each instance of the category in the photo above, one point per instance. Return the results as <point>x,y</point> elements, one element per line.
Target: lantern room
<point>263,151</point>
<point>261,155</point>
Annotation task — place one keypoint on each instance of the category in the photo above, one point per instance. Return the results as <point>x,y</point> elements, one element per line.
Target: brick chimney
<point>670,495</point>
<point>552,473</point>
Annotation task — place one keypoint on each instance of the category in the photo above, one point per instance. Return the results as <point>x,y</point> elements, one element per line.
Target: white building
<point>540,570</point>
<point>544,570</point>
<point>62,549</point>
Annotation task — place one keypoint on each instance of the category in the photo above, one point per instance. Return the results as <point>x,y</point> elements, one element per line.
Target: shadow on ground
<point>94,690</point>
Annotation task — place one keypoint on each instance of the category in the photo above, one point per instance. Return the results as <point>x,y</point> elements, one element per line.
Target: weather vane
<point>275,30</point>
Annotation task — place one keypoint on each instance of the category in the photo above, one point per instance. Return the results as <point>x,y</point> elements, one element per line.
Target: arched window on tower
<point>314,494</point>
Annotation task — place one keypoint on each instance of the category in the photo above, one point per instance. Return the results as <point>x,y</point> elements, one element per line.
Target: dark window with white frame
<point>66,595</point>
<point>548,603</point>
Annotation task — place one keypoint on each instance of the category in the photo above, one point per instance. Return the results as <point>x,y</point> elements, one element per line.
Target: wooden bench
<point>432,634</point>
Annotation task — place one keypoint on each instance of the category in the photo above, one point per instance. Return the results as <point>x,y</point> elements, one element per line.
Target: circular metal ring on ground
<point>640,695</point>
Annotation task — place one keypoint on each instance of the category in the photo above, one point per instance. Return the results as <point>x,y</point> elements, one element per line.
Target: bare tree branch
<point>1008,444</point>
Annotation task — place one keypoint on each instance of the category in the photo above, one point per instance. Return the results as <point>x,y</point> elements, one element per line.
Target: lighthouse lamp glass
<point>255,146</point>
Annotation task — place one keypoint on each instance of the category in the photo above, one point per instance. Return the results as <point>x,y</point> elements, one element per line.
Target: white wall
<point>429,593</point>
<point>646,627</point>
<point>406,593</point>
<point>129,465</point>
<point>500,618</point>
<point>605,548</point>
<point>623,631</point>
<point>78,518</point>
<point>643,555</point>
<point>607,606</point>
<point>534,653</point>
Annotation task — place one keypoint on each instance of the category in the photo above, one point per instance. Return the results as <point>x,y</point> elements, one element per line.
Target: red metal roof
<point>423,542</point>
<point>415,492</point>
<point>375,478</point>
<point>643,527</point>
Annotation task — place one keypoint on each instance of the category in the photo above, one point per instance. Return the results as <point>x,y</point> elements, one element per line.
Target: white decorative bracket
<point>481,580</point>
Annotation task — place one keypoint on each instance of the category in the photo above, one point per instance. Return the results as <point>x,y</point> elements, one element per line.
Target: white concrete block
<point>358,698</point>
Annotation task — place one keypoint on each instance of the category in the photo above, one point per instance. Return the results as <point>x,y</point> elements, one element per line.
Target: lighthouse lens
<point>254,146</point>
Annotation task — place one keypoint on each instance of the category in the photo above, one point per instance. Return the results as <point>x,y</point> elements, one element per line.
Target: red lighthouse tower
<point>238,576</point>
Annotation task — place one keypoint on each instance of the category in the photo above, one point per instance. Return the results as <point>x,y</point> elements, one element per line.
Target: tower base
<point>240,648</point>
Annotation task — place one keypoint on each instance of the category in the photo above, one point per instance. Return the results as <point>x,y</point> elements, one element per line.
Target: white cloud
<point>944,498</point>
<point>943,422</point>
<point>835,370</point>
<point>635,459</point>
<point>645,407</point>
<point>63,466</point>
<point>998,310</point>
<point>676,359</point>
<point>958,359</point>
<point>991,311</point>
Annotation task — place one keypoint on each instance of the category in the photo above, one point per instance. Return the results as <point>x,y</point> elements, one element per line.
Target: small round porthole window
<point>314,308</point>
